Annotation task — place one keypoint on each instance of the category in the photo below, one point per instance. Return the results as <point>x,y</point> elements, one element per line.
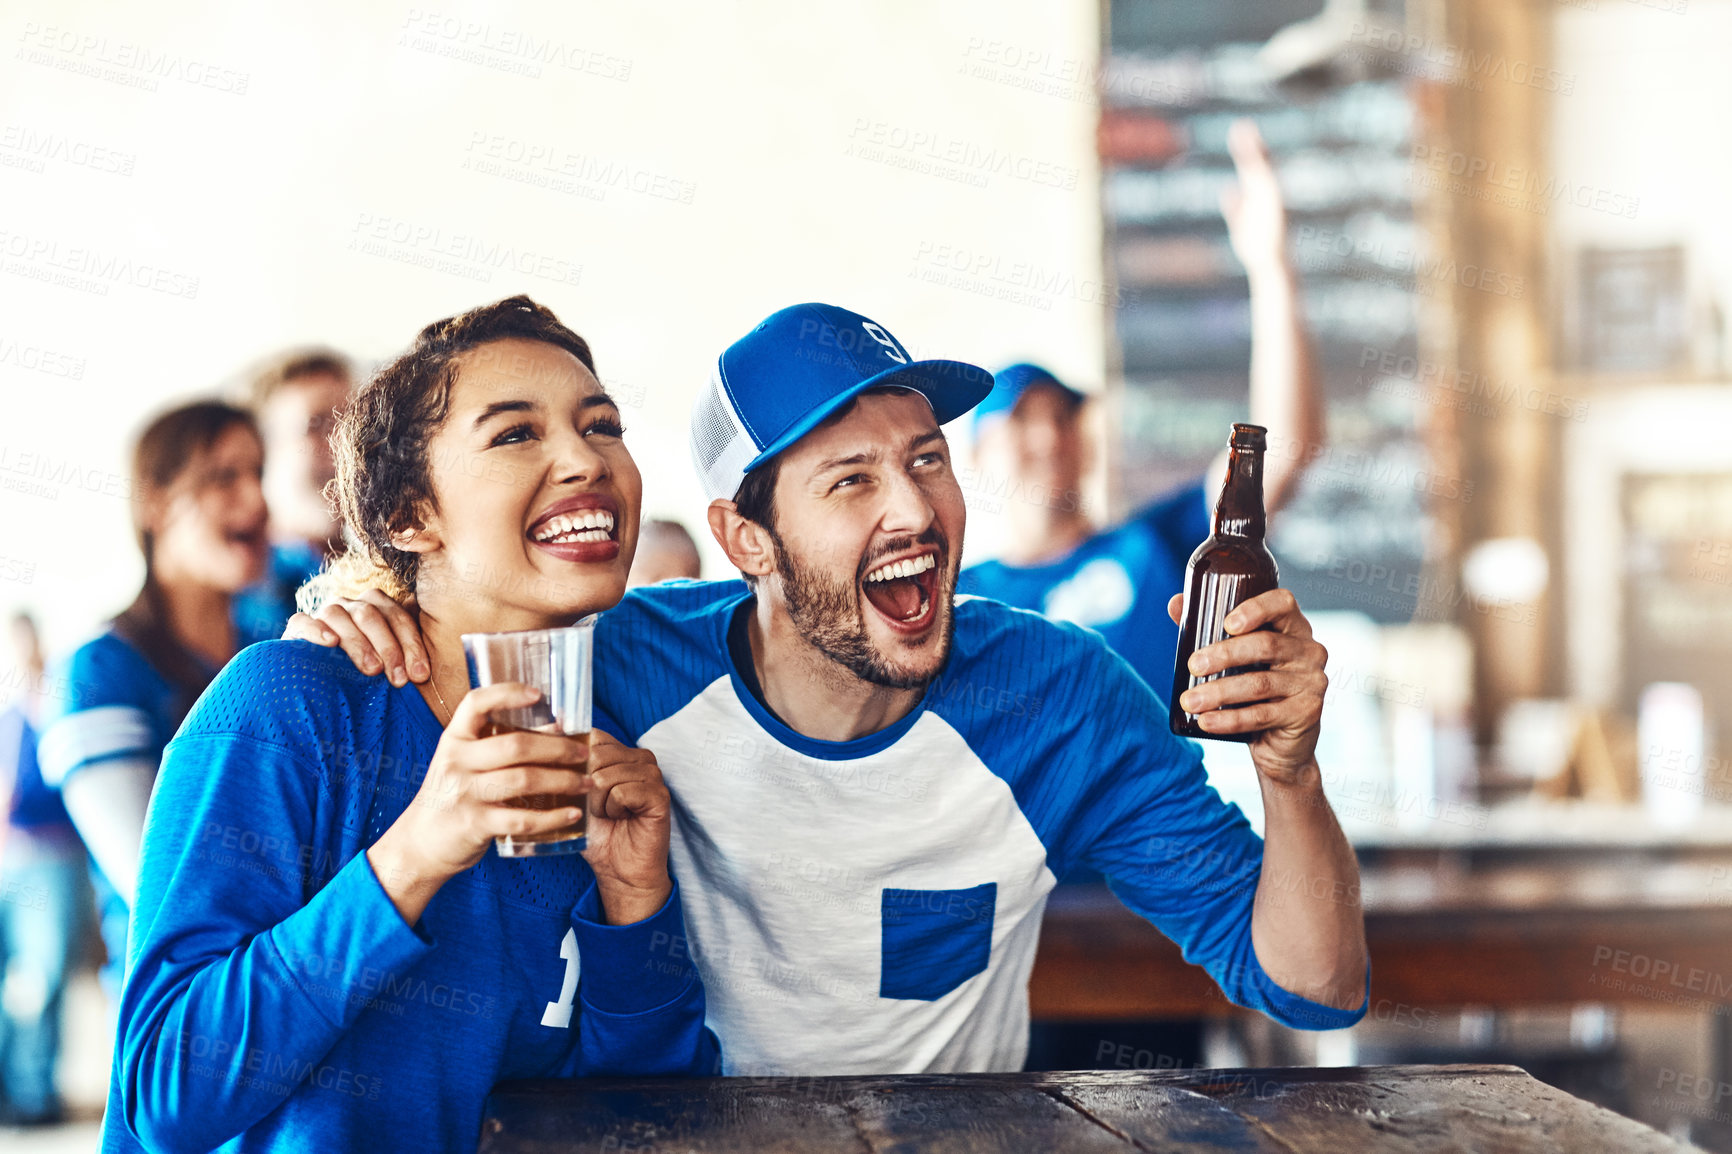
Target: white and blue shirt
<point>873,906</point>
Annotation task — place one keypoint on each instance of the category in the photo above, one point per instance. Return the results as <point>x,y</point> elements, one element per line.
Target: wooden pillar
<point>1492,124</point>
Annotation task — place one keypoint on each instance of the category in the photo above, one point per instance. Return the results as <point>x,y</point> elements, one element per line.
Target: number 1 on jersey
<point>558,1014</point>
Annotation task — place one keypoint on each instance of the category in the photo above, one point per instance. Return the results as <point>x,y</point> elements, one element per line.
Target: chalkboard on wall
<point>1177,76</point>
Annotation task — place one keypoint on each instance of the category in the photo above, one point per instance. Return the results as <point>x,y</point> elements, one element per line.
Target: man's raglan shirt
<point>275,999</point>
<point>873,906</point>
<point>1117,582</point>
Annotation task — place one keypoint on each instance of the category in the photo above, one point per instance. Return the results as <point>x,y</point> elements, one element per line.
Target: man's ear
<point>747,543</point>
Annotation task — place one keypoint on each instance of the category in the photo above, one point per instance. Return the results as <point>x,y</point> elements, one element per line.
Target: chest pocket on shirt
<point>934,940</point>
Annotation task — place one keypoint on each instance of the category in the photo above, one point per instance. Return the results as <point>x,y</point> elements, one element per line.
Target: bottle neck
<point>1239,512</point>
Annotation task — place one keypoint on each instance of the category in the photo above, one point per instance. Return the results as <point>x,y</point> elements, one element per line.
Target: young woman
<point>327,955</point>
<point>199,517</point>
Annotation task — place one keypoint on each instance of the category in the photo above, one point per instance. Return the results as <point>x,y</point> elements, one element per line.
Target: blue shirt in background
<point>34,805</point>
<point>277,1001</point>
<point>108,702</point>
<point>1117,582</point>
<point>262,609</point>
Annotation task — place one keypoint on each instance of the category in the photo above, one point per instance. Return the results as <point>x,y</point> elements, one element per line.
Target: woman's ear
<point>421,537</point>
<point>747,543</point>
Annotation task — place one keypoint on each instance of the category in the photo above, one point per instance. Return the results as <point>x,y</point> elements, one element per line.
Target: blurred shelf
<point>1540,825</point>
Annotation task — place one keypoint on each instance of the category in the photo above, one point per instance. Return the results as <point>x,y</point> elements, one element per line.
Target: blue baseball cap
<point>801,364</point>
<point>1010,383</point>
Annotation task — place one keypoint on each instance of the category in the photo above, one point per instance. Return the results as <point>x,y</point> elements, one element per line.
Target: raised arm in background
<point>1286,395</point>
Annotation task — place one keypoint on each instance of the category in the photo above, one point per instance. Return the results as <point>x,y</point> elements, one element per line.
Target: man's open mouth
<point>904,591</point>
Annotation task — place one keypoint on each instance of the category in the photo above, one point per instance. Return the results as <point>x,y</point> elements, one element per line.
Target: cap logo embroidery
<point>883,338</point>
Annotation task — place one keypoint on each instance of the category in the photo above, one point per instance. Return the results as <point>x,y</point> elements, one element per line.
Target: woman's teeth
<point>576,528</point>
<point>907,568</point>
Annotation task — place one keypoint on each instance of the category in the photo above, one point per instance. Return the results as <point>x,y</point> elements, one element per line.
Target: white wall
<point>1644,126</point>
<point>1640,139</point>
<point>255,150</point>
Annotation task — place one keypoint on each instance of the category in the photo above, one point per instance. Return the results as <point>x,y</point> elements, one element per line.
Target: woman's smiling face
<point>536,497</point>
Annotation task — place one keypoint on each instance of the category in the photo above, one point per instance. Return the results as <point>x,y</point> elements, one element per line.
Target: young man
<point>875,783</point>
<point>296,397</point>
<point>1117,580</point>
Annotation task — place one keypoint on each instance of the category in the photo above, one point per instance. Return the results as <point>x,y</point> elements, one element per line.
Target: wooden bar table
<point>1406,1109</point>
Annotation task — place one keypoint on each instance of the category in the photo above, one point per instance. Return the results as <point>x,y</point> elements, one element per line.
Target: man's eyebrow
<point>854,459</point>
<point>870,455</point>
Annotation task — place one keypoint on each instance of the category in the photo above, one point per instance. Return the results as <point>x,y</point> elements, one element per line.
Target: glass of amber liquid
<point>558,663</point>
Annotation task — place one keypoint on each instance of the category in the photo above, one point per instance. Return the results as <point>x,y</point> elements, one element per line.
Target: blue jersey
<point>108,703</point>
<point>275,998</point>
<point>1117,582</point>
<point>873,906</point>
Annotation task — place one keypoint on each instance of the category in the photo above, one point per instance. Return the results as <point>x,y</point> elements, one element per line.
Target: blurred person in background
<point>1117,581</point>
<point>44,900</point>
<point>199,517</point>
<point>665,552</point>
<point>296,398</point>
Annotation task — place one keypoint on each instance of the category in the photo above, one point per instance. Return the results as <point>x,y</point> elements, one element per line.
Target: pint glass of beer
<point>557,662</point>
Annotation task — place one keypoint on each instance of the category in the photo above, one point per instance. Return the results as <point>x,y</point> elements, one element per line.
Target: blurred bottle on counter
<point>1671,735</point>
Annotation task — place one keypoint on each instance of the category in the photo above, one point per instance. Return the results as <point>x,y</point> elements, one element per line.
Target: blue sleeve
<point>104,710</point>
<point>642,1001</point>
<point>230,964</point>
<point>1171,849</point>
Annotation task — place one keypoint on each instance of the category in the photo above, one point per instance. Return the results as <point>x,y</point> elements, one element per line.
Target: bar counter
<point>1410,1109</point>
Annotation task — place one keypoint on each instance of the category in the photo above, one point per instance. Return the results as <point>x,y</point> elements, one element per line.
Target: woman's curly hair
<point>384,479</point>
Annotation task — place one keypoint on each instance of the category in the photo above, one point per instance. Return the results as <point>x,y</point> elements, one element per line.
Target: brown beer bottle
<point>1232,566</point>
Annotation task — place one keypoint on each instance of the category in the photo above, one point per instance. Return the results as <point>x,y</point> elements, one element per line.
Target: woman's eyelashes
<point>512,436</point>
<point>518,434</point>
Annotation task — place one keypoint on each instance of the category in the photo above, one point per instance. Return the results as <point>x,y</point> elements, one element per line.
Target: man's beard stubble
<point>831,617</point>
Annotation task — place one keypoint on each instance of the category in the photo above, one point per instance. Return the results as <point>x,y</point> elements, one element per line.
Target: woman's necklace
<point>434,682</point>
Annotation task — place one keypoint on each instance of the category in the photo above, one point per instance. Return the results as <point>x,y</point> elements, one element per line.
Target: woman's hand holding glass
<point>629,807</point>
<point>470,795</point>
